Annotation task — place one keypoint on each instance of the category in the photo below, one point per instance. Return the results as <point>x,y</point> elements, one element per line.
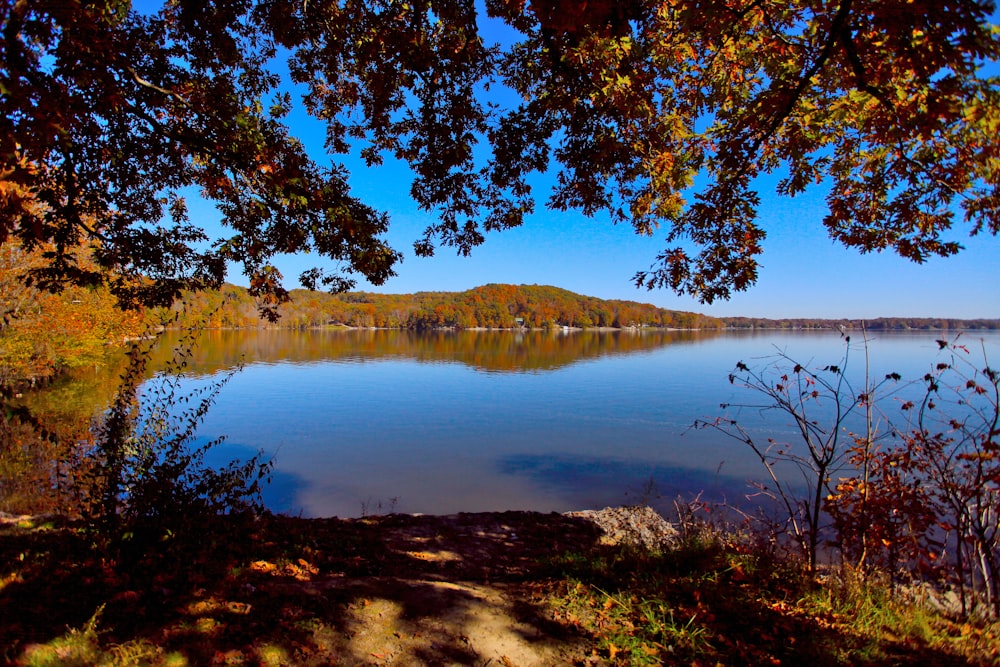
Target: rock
<point>635,525</point>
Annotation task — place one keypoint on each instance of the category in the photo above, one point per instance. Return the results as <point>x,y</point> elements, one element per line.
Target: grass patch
<point>719,598</point>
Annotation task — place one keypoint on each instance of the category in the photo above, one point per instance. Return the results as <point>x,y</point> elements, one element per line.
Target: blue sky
<point>803,273</point>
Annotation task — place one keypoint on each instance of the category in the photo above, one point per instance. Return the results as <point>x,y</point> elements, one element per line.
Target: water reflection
<point>490,351</point>
<point>477,420</point>
<point>38,440</point>
<point>588,480</point>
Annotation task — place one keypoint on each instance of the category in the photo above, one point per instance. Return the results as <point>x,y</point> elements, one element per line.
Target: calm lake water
<point>376,421</point>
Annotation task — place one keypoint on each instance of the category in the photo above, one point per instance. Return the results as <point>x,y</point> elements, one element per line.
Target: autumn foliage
<point>44,333</point>
<point>663,116</point>
<point>929,503</point>
<point>908,489</point>
<point>494,306</point>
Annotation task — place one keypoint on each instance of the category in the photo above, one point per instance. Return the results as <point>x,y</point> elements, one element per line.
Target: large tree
<point>661,114</point>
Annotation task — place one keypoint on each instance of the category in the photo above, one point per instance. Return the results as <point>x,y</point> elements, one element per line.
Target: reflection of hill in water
<point>490,351</point>
<point>81,393</point>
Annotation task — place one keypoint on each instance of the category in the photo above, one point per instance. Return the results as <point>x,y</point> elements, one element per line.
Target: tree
<point>655,113</point>
<point>822,403</point>
<point>109,115</point>
<point>43,334</point>
<point>953,443</point>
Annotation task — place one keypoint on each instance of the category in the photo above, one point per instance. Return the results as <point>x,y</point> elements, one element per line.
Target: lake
<point>376,421</point>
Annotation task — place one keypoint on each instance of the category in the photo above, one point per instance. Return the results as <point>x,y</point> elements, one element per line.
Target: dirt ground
<point>470,589</point>
<point>465,589</point>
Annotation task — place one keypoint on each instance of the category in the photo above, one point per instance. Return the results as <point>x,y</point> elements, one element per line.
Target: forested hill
<point>43,334</point>
<point>490,306</point>
<point>500,306</point>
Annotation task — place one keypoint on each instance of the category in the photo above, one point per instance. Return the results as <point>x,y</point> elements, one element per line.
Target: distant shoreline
<point>993,325</point>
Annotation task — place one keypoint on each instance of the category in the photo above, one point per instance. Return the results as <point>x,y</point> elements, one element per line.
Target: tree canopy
<point>661,114</point>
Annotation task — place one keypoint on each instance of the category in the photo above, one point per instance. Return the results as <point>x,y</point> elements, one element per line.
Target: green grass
<point>718,599</point>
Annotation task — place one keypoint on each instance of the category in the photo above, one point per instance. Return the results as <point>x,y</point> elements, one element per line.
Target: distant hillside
<point>490,306</point>
<point>500,306</point>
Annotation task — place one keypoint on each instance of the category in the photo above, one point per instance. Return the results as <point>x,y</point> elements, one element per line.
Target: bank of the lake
<point>510,588</point>
<point>502,307</point>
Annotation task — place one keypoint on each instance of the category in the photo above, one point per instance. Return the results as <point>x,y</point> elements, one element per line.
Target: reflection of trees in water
<point>65,409</point>
<point>494,351</point>
<point>36,447</point>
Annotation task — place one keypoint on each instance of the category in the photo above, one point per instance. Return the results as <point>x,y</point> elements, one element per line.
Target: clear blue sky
<point>803,272</point>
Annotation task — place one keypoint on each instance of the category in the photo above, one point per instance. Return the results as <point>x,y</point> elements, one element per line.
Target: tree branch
<point>846,40</point>
<point>839,23</point>
<point>152,86</point>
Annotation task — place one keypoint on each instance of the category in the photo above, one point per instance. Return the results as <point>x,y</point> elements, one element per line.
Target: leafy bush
<point>915,498</point>
<point>145,473</point>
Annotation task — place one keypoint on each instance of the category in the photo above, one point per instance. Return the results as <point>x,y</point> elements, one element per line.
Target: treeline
<point>487,307</point>
<point>501,306</point>
<point>43,334</point>
<point>877,324</point>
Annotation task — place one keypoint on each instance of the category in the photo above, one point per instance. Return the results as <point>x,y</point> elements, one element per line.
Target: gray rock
<point>635,525</point>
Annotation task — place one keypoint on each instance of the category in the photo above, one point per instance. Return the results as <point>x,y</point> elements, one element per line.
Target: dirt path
<point>466,589</point>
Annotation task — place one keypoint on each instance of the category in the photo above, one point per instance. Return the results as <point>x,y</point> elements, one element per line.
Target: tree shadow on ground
<point>294,591</point>
<point>463,589</point>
